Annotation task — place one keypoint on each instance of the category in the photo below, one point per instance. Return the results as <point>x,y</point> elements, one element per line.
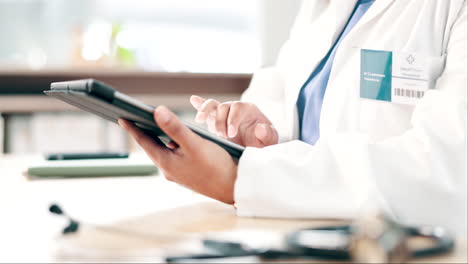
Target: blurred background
<point>161,51</point>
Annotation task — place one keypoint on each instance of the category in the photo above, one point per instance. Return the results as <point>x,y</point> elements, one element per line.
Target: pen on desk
<point>80,156</point>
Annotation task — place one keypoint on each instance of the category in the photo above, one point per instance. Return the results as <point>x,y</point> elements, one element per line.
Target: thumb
<point>174,128</point>
<point>266,134</point>
<point>197,101</point>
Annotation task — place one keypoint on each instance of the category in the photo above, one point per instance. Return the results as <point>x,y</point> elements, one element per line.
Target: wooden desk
<point>160,216</point>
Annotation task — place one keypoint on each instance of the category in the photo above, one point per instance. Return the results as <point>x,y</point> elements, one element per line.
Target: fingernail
<point>261,131</point>
<point>193,101</point>
<point>196,101</point>
<point>164,115</point>
<point>232,132</point>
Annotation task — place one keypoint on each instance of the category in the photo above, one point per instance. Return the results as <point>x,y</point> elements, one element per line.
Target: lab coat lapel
<point>329,118</point>
<point>326,27</point>
<point>337,18</point>
<point>377,8</point>
<point>343,10</point>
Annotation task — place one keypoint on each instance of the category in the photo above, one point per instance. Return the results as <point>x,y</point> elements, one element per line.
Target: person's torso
<point>418,26</point>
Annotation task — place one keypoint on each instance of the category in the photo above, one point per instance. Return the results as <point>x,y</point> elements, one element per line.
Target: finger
<point>175,129</point>
<point>197,101</point>
<point>236,113</point>
<point>209,105</point>
<point>210,123</point>
<point>221,119</point>
<point>201,117</point>
<point>156,152</point>
<point>266,134</point>
<point>206,109</point>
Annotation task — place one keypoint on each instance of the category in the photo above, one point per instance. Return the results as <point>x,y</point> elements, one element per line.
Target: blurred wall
<point>276,18</point>
<point>36,30</point>
<point>43,33</point>
<point>239,36</point>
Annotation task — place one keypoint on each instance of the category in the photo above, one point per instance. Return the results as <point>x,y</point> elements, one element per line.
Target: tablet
<point>102,100</point>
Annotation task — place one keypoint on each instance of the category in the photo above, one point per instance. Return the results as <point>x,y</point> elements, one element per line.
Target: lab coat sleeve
<point>419,177</point>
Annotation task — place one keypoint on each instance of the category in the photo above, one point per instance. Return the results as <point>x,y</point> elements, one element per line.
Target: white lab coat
<point>409,160</point>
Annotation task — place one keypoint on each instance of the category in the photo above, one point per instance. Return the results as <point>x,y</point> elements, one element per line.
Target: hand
<point>191,161</point>
<point>242,123</point>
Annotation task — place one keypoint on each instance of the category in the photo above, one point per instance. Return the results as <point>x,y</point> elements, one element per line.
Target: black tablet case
<point>102,100</point>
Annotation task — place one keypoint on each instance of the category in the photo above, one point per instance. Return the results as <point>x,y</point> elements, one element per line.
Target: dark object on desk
<point>223,249</point>
<point>356,242</point>
<point>72,226</point>
<point>104,101</point>
<point>329,242</point>
<point>80,156</point>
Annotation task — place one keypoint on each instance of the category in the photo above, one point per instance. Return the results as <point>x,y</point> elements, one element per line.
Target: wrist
<point>228,193</point>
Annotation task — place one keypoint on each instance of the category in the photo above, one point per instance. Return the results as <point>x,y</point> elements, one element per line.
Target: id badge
<point>396,77</point>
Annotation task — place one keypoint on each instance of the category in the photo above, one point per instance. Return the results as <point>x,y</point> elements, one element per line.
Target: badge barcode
<point>408,93</point>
